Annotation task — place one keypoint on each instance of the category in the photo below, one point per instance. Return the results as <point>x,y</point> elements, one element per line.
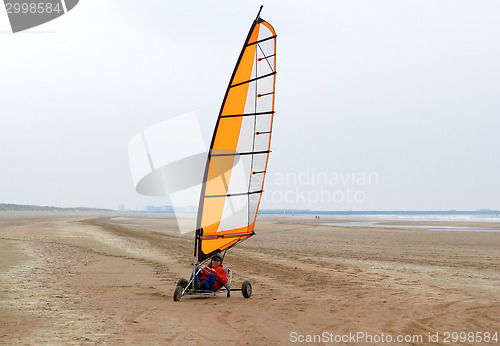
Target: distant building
<point>161,209</point>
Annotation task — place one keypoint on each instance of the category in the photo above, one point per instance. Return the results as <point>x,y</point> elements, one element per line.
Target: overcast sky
<point>402,96</point>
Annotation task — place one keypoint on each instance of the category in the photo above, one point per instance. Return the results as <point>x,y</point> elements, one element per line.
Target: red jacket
<point>220,273</point>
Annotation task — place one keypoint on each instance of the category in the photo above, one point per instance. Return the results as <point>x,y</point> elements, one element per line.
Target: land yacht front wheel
<point>246,289</point>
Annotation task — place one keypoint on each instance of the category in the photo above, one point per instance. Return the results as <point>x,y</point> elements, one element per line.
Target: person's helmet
<point>217,256</point>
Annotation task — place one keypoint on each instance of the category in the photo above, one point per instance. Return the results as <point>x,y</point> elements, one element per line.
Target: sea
<point>483,220</point>
<point>488,222</point>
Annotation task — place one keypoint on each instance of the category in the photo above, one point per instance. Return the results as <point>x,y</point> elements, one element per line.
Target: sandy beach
<point>109,278</point>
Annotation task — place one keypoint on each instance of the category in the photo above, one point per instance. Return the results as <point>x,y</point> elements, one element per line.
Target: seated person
<point>211,277</point>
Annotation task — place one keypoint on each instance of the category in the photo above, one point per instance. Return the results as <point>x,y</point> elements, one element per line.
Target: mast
<point>258,14</point>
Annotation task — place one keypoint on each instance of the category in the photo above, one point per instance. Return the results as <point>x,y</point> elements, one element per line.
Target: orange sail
<point>239,152</point>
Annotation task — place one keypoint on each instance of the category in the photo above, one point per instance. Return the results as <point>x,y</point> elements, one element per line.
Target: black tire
<point>246,289</point>
<point>181,281</point>
<point>178,293</point>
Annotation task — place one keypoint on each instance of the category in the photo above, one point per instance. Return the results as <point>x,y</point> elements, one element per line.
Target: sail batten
<point>263,40</point>
<point>253,79</point>
<point>246,115</point>
<point>241,154</point>
<point>236,194</point>
<point>240,147</point>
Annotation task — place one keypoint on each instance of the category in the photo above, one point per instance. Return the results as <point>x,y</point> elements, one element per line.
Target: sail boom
<point>235,235</point>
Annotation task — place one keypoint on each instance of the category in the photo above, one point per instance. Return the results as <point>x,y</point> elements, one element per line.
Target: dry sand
<point>76,279</point>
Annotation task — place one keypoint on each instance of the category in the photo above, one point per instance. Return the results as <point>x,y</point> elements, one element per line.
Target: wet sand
<point>84,278</point>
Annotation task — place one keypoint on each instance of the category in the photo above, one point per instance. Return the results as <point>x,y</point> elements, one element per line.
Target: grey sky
<point>405,90</point>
